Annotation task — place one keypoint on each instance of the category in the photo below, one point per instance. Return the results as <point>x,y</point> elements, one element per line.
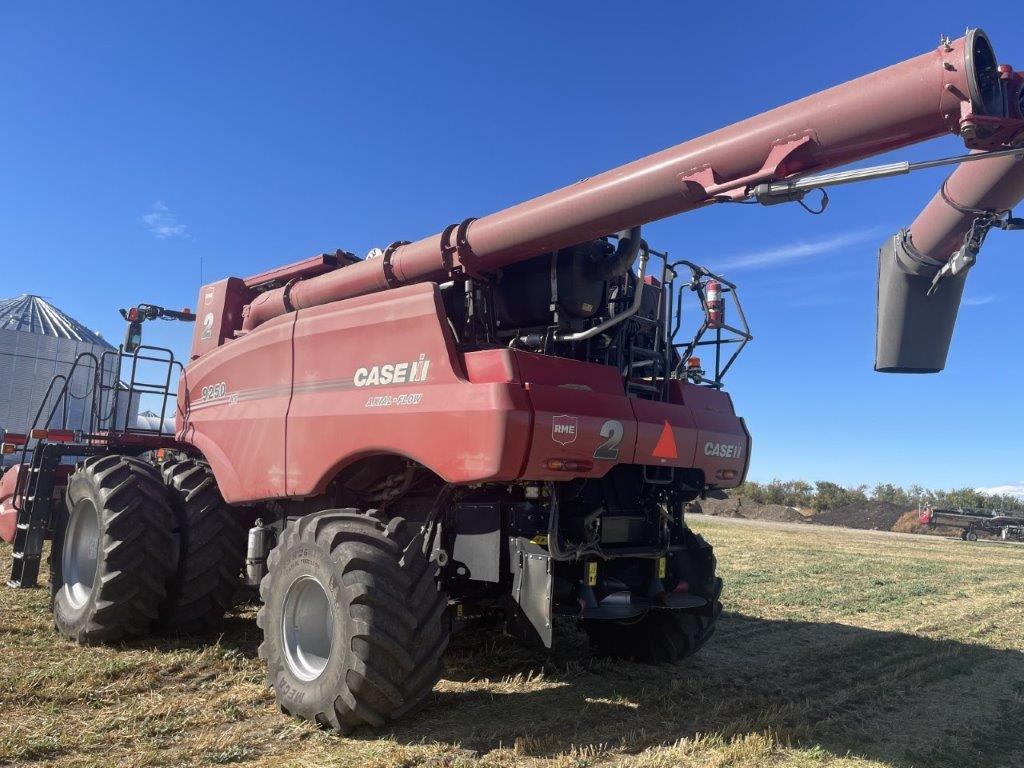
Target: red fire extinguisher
<point>716,307</point>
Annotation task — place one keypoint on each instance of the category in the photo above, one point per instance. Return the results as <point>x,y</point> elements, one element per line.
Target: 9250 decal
<point>214,391</point>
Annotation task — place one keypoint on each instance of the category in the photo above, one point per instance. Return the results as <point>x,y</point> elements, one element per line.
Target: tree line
<point>826,495</point>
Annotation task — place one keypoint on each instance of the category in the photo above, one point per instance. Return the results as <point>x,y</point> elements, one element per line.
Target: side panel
<point>232,404</point>
<point>218,314</point>
<point>667,434</point>
<point>580,414</point>
<point>595,430</point>
<point>378,374</point>
<point>723,445</point>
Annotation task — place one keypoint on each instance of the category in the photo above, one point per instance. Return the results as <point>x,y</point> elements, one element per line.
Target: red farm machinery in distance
<point>971,520</point>
<point>505,417</point>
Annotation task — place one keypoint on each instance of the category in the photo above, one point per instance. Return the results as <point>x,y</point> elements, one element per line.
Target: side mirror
<point>133,336</point>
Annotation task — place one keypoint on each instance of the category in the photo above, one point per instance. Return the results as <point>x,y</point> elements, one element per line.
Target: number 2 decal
<point>207,326</point>
<point>609,449</point>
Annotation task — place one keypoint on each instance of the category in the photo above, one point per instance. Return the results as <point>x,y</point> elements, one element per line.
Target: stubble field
<point>837,648</point>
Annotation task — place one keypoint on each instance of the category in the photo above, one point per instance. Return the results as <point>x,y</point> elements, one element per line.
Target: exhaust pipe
<point>915,322</point>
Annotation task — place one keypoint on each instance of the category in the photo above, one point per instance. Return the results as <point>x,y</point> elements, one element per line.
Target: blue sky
<point>142,142</point>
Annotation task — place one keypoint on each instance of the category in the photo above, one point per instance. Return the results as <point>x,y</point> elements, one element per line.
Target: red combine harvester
<point>496,418</point>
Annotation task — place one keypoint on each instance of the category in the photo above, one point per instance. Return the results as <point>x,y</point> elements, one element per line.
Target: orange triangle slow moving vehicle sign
<point>666,445</point>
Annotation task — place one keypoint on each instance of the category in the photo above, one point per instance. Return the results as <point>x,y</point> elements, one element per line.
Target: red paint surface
<point>283,412</point>
<point>994,184</point>
<point>218,314</point>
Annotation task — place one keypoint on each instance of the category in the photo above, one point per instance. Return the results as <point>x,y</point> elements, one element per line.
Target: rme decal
<point>723,450</point>
<point>564,429</point>
<point>393,373</point>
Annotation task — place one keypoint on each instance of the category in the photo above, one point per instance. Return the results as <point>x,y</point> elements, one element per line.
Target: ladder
<point>35,517</point>
<point>645,373</point>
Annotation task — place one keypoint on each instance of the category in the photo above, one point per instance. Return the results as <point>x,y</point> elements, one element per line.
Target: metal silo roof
<point>34,314</point>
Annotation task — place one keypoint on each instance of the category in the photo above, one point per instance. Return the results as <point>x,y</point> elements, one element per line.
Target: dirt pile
<point>871,515</point>
<point>739,507</point>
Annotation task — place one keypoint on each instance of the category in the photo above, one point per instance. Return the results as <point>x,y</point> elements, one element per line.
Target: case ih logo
<point>393,373</point>
<point>723,450</point>
<point>564,429</point>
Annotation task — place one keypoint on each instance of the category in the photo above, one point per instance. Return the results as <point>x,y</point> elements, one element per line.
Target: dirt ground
<point>837,648</point>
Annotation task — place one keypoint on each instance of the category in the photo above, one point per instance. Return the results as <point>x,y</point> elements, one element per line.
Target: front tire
<point>210,551</point>
<point>111,553</point>
<point>353,620</point>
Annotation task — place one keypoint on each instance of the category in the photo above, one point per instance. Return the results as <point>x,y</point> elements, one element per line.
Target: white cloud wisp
<point>798,251</point>
<point>162,223</point>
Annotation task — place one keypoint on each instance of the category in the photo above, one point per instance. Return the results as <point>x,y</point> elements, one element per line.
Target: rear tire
<point>658,637</point>
<point>111,553</point>
<point>353,620</point>
<point>210,551</point>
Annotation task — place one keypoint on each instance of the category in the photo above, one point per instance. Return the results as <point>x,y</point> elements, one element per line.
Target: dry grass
<point>909,522</point>
<point>838,649</point>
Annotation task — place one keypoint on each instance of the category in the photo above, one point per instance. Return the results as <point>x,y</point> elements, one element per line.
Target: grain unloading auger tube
<point>957,88</point>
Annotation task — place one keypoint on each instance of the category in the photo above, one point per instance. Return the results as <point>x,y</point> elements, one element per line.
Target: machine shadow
<point>847,690</point>
<point>902,699</point>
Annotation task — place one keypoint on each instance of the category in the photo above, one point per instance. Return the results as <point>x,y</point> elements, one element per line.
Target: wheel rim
<point>81,553</point>
<point>307,628</point>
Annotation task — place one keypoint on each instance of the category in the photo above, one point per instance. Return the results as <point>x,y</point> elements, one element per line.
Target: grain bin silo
<point>37,342</point>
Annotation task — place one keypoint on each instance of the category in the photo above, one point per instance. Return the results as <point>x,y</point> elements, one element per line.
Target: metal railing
<point>723,333</point>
